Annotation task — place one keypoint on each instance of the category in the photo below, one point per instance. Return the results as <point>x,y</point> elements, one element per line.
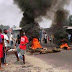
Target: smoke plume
<point>35,9</point>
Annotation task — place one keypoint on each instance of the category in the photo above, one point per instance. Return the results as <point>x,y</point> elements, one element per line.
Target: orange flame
<point>36,44</point>
<point>65,45</point>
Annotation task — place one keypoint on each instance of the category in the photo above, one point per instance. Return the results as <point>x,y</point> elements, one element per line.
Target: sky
<point>69,7</point>
<point>11,15</point>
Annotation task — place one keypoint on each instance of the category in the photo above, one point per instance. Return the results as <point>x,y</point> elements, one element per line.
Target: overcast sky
<point>11,15</point>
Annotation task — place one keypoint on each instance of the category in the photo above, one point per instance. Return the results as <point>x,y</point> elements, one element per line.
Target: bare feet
<point>6,64</point>
<point>17,59</point>
<point>1,68</point>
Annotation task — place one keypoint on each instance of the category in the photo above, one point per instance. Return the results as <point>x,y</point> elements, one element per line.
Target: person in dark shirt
<point>18,40</point>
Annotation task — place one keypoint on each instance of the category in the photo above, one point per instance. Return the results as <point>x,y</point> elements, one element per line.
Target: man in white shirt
<point>11,39</point>
<point>6,42</point>
<point>45,38</point>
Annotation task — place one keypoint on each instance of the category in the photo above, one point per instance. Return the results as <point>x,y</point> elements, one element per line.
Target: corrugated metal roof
<point>69,27</point>
<point>17,28</point>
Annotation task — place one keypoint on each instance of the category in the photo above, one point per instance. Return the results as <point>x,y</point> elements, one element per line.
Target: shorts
<point>20,50</point>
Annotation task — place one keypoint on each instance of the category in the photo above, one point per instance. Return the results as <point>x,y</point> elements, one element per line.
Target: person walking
<point>6,41</point>
<point>22,47</point>
<point>11,39</point>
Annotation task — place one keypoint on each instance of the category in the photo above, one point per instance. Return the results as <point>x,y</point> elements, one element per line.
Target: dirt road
<point>33,64</point>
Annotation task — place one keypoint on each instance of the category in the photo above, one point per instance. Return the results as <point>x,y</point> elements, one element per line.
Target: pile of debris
<point>44,50</point>
<point>36,47</point>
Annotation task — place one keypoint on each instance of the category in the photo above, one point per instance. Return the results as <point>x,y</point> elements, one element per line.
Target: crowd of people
<point>20,43</point>
<point>48,38</point>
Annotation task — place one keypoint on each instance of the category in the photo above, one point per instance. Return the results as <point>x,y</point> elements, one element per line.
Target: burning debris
<point>35,44</point>
<point>64,45</point>
<point>33,10</point>
<point>36,47</point>
<point>44,50</point>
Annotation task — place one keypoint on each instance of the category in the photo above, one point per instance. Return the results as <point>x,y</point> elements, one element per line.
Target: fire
<point>36,44</point>
<point>65,45</point>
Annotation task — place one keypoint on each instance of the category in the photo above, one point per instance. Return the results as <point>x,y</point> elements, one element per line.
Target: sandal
<point>6,64</point>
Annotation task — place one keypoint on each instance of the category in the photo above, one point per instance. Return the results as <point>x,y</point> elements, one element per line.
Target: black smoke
<point>33,9</point>
<point>59,19</point>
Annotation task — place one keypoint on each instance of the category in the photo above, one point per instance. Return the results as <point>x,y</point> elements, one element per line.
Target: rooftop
<point>16,28</point>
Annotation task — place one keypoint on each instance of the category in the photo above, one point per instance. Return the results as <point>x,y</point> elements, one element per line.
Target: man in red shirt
<point>22,47</point>
<point>1,47</point>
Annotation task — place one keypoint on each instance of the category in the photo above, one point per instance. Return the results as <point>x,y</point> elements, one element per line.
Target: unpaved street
<point>35,63</point>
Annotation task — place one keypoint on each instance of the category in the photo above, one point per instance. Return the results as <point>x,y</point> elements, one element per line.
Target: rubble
<point>44,50</point>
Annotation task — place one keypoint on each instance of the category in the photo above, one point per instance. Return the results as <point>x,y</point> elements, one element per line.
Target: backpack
<point>0,39</point>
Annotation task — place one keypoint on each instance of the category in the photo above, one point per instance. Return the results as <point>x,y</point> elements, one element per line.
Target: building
<point>16,31</point>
